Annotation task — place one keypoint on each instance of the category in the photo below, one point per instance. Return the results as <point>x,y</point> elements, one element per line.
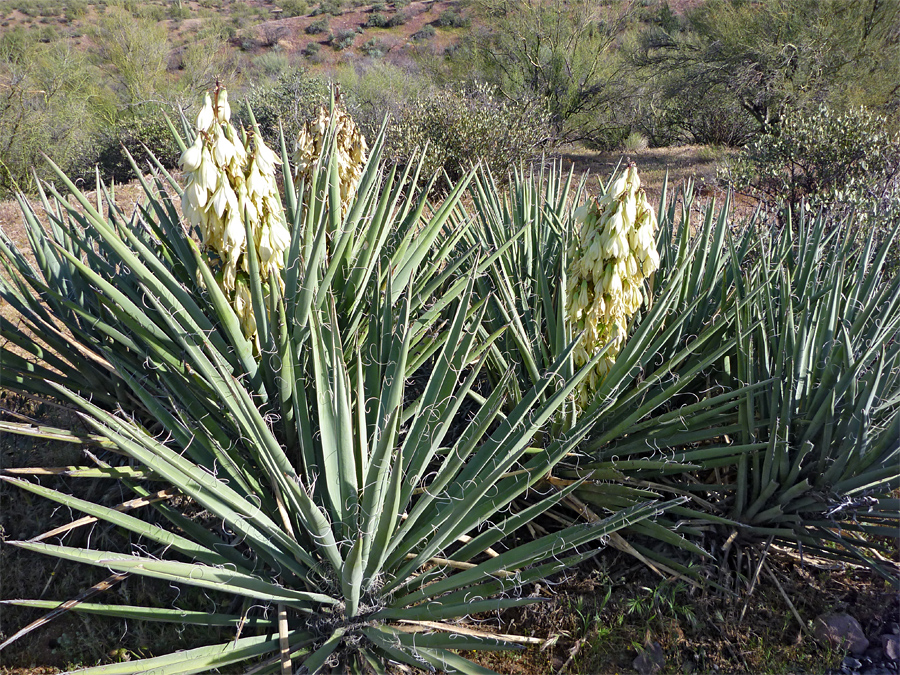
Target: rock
<point>841,631</point>
<point>891,646</point>
<point>650,660</point>
<point>850,664</point>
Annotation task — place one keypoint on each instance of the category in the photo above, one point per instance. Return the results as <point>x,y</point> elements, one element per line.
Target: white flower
<point>224,110</point>
<point>196,194</point>
<point>223,149</point>
<point>190,158</point>
<point>206,116</point>
<point>610,258</point>
<point>266,159</point>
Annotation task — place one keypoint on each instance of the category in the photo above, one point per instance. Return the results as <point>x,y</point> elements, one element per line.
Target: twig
<point>420,626</point>
<point>64,607</point>
<point>283,643</point>
<point>784,595</point>
<point>762,560</point>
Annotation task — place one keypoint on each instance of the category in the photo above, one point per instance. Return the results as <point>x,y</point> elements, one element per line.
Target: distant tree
<point>135,53</point>
<point>770,55</point>
<point>557,51</point>
<point>50,102</point>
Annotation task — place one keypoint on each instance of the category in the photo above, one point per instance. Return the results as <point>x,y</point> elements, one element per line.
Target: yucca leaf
<point>159,614</point>
<point>204,576</point>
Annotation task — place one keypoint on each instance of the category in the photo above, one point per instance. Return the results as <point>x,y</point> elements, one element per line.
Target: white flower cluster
<point>351,151</point>
<point>231,178</point>
<point>612,255</point>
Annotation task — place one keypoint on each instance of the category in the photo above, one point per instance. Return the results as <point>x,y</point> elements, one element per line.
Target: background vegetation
<point>79,78</point>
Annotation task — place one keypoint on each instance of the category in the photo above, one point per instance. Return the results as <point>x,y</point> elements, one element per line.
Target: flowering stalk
<point>611,256</point>
<point>350,146</point>
<point>232,178</point>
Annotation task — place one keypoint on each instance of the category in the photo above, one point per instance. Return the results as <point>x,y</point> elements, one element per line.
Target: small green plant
<point>635,142</point>
<point>317,27</point>
<point>426,33</point>
<point>343,39</point>
<point>374,48</point>
<point>661,602</point>
<point>453,18</point>
<point>293,7</point>
<point>377,20</point>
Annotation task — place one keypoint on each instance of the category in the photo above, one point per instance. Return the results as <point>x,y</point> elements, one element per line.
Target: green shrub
<point>138,136</point>
<point>376,20</point>
<point>333,7</point>
<point>291,8</point>
<point>272,63</point>
<point>76,9</point>
<point>843,160</point>
<point>179,11</point>
<point>466,124</point>
<point>452,18</point>
<point>317,27</point>
<point>426,33</point>
<point>291,100</point>
<point>343,39</point>
<point>398,19</point>
<point>375,48</point>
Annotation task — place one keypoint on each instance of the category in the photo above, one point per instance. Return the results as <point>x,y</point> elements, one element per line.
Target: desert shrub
<point>635,142</point>
<point>343,39</point>
<point>50,103</point>
<point>291,8</point>
<point>179,11</point>
<point>291,99</point>
<point>375,48</point>
<point>452,18</point>
<point>714,118</point>
<point>76,9</point>
<point>140,137</point>
<point>466,124</point>
<point>840,160</point>
<point>770,56</point>
<point>273,34</point>
<point>426,33</point>
<point>333,7</point>
<point>271,63</point>
<point>311,48</point>
<point>318,26</point>
<point>377,20</point>
<point>398,19</point>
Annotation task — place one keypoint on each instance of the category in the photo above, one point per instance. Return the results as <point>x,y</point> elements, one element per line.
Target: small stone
<point>849,663</point>
<point>891,645</point>
<point>841,631</point>
<point>650,660</point>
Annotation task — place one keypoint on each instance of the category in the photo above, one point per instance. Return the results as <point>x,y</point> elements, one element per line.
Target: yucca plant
<point>643,406</point>
<point>806,455</point>
<point>368,519</point>
<point>825,341</point>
